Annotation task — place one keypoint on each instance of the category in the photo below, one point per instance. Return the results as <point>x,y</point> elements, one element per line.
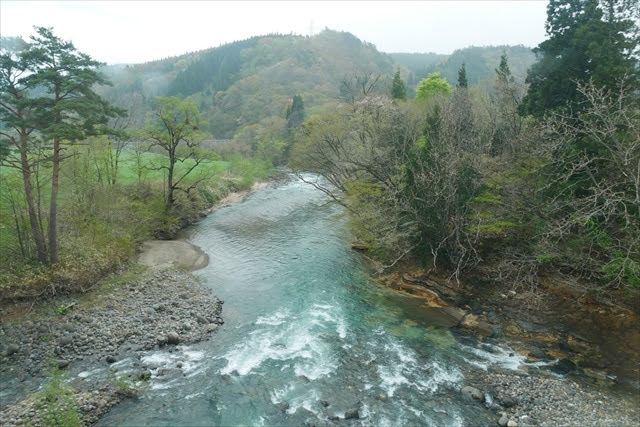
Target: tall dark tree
<point>584,43</point>
<point>295,113</point>
<point>398,88</point>
<point>68,109</point>
<point>16,113</point>
<point>462,76</point>
<point>503,72</point>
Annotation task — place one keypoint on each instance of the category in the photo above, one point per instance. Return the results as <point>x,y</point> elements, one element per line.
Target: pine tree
<point>398,88</point>
<point>584,43</point>
<point>295,113</point>
<point>68,109</point>
<point>462,77</point>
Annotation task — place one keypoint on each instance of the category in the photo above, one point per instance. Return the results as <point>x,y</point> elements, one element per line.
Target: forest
<point>466,162</point>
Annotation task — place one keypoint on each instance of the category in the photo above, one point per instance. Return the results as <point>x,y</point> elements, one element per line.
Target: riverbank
<point>87,337</point>
<point>573,373</point>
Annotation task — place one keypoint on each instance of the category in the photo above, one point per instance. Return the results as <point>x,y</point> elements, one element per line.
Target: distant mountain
<point>253,81</point>
<point>480,63</point>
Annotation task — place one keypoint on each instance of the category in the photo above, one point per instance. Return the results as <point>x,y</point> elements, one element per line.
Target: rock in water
<point>472,393</point>
<point>564,366</point>
<point>352,414</point>
<point>173,338</point>
<point>502,422</point>
<point>111,359</point>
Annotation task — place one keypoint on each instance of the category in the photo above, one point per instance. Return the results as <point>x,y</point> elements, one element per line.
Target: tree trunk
<point>172,162</point>
<point>53,208</point>
<point>38,237</point>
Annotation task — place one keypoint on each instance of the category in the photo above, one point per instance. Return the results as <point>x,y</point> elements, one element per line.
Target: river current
<point>307,333</point>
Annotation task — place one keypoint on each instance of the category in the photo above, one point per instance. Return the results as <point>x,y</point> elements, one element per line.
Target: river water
<point>307,333</point>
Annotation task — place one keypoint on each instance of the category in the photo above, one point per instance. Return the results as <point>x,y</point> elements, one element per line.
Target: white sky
<point>132,32</point>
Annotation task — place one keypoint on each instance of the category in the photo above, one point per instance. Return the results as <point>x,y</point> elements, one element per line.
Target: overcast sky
<point>132,32</point>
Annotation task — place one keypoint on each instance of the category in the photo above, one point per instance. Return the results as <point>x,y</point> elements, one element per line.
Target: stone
<point>502,422</point>
<point>111,359</point>
<point>493,317</point>
<point>472,393</point>
<point>283,406</point>
<point>144,375</point>
<point>69,327</point>
<point>352,414</point>
<point>508,402</point>
<point>201,319</point>
<point>173,338</point>
<point>324,403</point>
<point>538,353</point>
<point>60,363</point>
<point>66,340</point>
<point>11,349</point>
<point>564,366</point>
<point>512,423</point>
<point>334,418</point>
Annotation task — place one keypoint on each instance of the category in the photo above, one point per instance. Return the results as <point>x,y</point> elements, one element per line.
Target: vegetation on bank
<point>81,185</point>
<point>508,181</point>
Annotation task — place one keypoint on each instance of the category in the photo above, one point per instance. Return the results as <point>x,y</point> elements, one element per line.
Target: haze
<point>133,32</point>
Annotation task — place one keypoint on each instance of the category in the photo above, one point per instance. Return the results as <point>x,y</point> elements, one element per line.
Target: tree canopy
<point>432,85</point>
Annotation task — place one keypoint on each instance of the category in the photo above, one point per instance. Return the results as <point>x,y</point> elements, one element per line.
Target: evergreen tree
<point>295,113</point>
<point>398,88</point>
<point>68,109</point>
<point>584,43</point>
<point>462,77</point>
<point>503,72</point>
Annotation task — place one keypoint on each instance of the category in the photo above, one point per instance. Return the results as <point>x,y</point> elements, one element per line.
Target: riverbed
<point>308,336</point>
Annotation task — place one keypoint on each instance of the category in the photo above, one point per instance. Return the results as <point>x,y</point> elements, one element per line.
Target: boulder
<point>60,363</point>
<point>173,338</point>
<point>111,359</point>
<point>11,349</point>
<point>502,422</point>
<point>508,402</point>
<point>472,393</point>
<point>352,414</point>
<point>564,366</point>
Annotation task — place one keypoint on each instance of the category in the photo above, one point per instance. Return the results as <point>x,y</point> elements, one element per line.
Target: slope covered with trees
<point>512,183</point>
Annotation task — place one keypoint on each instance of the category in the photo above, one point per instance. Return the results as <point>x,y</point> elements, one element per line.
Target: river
<point>307,333</point>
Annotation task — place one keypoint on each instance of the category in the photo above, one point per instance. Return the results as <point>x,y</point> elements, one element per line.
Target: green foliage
<point>125,385</point>
<point>462,77</point>
<point>398,88</point>
<point>57,403</point>
<point>586,43</point>
<point>431,86</point>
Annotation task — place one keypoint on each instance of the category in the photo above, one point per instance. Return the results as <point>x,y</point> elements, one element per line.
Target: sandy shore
<point>177,254</point>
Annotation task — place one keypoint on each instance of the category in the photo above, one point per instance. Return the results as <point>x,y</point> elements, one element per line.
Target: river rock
<point>173,338</point>
<point>352,414</point>
<point>502,422</point>
<point>201,319</point>
<point>512,423</point>
<point>144,375</point>
<point>66,340</point>
<point>60,363</point>
<point>538,353</point>
<point>508,402</point>
<point>333,418</point>
<point>11,349</point>
<point>564,366</point>
<point>111,359</point>
<point>472,393</point>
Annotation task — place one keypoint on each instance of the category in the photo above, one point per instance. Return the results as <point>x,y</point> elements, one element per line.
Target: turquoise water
<point>304,324</point>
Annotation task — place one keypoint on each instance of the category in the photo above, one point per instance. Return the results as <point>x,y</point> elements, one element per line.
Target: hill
<point>252,81</point>
<point>480,63</point>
